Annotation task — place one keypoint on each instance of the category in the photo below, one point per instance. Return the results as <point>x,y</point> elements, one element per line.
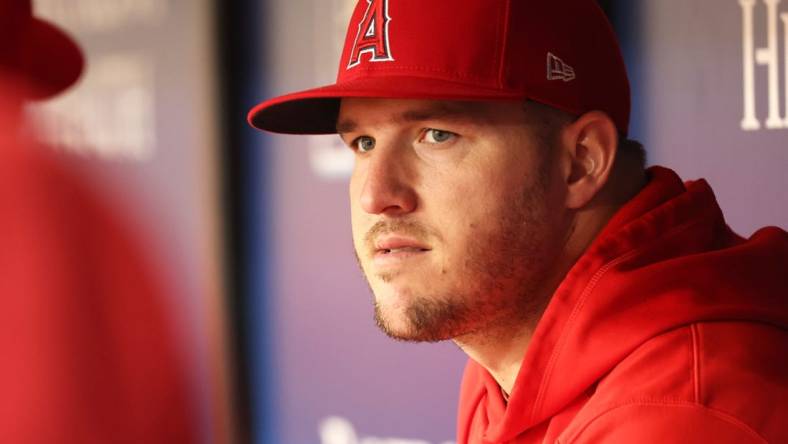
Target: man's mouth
<point>395,251</point>
<point>403,250</point>
<point>392,243</point>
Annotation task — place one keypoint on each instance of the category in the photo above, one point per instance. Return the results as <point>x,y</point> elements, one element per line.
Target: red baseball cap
<point>562,53</point>
<point>37,52</point>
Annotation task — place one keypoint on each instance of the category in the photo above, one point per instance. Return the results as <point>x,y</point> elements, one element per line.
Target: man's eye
<point>364,144</point>
<point>432,135</point>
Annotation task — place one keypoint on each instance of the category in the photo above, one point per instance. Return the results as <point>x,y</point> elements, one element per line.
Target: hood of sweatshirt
<point>665,260</point>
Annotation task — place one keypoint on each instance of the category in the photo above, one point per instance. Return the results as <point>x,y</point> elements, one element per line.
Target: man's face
<point>455,214</point>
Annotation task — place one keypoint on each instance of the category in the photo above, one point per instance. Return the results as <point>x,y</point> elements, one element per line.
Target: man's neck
<point>501,348</point>
<point>501,352</point>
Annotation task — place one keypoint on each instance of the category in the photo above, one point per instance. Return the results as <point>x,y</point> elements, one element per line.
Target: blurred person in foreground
<point>89,352</point>
<point>496,202</point>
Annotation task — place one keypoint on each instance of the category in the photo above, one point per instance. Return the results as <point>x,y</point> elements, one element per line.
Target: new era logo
<point>558,70</point>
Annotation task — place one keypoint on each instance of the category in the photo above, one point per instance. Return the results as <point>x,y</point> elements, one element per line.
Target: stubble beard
<point>503,269</point>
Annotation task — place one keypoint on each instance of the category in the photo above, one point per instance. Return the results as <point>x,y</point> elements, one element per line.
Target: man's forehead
<point>357,111</point>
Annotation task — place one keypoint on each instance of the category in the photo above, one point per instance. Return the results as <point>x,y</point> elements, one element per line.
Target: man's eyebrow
<point>438,111</point>
<point>346,126</point>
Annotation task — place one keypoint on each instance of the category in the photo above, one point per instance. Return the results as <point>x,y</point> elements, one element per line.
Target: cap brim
<point>51,62</point>
<point>315,111</point>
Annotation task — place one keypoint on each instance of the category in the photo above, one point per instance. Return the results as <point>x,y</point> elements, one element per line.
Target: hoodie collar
<point>616,297</point>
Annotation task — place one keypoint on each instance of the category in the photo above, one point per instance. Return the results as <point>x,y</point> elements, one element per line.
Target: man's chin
<point>407,333</point>
<point>410,324</point>
<point>391,321</point>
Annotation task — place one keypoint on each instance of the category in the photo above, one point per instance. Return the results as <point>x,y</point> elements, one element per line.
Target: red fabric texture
<point>670,328</point>
<point>88,346</point>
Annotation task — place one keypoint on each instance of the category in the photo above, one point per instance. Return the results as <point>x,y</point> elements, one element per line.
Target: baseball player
<point>497,202</point>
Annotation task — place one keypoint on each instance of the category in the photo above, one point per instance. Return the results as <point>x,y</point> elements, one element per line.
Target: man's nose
<point>388,184</point>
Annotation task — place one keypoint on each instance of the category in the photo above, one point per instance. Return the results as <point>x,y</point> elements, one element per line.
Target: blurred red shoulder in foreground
<point>89,352</point>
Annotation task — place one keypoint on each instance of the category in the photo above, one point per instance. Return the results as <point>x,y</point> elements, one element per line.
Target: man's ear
<point>590,145</point>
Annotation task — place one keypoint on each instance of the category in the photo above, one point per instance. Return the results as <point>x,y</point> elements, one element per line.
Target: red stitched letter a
<point>373,34</point>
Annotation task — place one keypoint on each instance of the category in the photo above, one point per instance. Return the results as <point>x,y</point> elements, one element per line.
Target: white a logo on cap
<point>373,34</point>
<point>558,70</point>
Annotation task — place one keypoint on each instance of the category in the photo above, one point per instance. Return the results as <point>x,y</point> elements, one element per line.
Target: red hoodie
<point>670,328</point>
